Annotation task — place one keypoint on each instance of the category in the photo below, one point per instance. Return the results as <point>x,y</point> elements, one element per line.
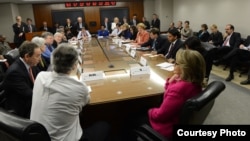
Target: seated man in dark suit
<point>155,23</point>
<point>156,41</point>
<point>29,26</point>
<point>171,26</point>
<point>19,80</point>
<point>107,24</point>
<point>231,41</point>
<point>45,27</point>
<point>173,45</point>
<point>103,32</point>
<point>79,25</point>
<point>237,56</point>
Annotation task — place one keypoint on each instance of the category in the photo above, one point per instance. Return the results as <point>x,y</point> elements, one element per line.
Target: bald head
<point>79,19</point>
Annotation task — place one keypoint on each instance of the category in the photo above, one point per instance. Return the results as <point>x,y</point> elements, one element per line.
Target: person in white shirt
<point>59,97</point>
<point>83,34</point>
<point>113,24</point>
<point>117,30</point>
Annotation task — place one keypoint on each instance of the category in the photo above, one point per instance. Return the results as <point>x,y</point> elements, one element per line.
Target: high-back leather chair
<point>194,111</point>
<point>14,128</point>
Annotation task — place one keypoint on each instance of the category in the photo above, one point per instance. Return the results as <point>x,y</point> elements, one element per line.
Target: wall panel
<point>42,12</point>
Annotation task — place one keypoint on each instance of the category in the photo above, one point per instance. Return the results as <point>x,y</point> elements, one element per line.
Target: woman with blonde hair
<point>186,82</point>
<point>115,21</point>
<point>216,37</point>
<point>125,31</point>
<point>142,35</point>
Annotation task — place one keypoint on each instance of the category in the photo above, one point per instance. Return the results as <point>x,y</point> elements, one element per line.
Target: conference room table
<point>119,95</point>
<point>118,84</point>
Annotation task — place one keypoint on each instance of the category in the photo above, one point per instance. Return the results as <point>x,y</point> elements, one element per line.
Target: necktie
<point>31,75</point>
<point>30,28</point>
<point>170,50</point>
<point>225,42</point>
<point>153,46</point>
<point>42,64</point>
<point>50,48</point>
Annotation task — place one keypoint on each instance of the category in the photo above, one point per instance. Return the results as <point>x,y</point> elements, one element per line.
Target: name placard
<point>127,48</point>
<point>140,70</point>
<point>117,41</point>
<point>80,59</point>
<point>79,68</point>
<point>120,43</point>
<point>93,76</point>
<point>143,61</point>
<point>133,53</point>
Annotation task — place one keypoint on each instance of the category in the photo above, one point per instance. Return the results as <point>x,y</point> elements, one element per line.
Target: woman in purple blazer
<point>186,82</point>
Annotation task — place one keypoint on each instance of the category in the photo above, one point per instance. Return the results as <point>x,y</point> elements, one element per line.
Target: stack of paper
<point>166,66</point>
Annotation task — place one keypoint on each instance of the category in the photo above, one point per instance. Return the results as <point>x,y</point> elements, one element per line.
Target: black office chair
<point>12,55</point>
<point>2,95</point>
<point>194,111</point>
<point>14,128</point>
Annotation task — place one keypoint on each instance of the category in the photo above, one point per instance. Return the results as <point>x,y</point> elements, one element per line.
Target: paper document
<point>165,65</point>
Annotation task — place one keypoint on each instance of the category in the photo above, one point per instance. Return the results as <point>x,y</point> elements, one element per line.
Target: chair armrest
<point>148,134</point>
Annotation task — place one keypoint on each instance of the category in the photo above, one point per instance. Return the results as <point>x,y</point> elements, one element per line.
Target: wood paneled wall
<point>42,12</point>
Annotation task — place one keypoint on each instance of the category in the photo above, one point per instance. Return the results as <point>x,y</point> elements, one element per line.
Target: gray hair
<point>38,40</point>
<point>64,57</point>
<point>58,34</point>
<point>46,34</point>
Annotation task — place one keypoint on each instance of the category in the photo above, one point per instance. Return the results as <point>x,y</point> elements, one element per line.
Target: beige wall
<point>163,8</point>
<point>149,7</point>
<point>8,17</point>
<point>220,12</point>
<point>26,11</point>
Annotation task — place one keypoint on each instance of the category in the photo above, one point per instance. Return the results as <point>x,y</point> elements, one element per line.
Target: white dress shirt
<point>80,34</point>
<point>116,32</point>
<point>57,101</point>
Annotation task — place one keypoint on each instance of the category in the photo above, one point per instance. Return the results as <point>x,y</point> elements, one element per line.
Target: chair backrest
<point>12,55</point>
<point>14,128</point>
<point>247,41</point>
<point>196,109</point>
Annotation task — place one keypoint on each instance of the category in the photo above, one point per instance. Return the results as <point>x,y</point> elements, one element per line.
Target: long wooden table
<point>118,85</point>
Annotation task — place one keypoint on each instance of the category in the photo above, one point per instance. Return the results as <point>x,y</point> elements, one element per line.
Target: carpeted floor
<point>232,106</point>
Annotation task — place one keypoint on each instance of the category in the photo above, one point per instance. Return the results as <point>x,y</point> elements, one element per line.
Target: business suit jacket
<point>131,22</point>
<point>156,23</point>
<point>17,30</point>
<point>70,26</point>
<point>133,36</point>
<point>77,26</point>
<point>18,89</point>
<point>216,38</point>
<point>103,33</point>
<point>108,26</point>
<point>178,44</point>
<point>146,23</point>
<point>49,29</point>
<point>235,40</point>
<point>204,37</point>
<point>27,28</point>
<point>158,44</point>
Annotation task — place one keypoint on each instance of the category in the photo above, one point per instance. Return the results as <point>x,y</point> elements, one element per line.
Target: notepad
<point>165,65</point>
